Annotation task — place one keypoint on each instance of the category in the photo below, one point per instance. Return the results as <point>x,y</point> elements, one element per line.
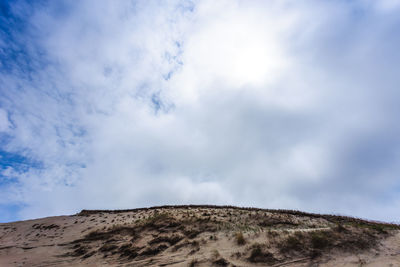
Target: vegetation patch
<point>259,255</point>
<point>221,262</point>
<point>240,239</point>
<point>128,251</point>
<point>151,251</point>
<point>193,263</point>
<point>315,243</point>
<point>171,240</point>
<point>289,234</point>
<point>108,247</point>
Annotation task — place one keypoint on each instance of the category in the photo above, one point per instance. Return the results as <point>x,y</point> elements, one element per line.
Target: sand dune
<point>199,236</point>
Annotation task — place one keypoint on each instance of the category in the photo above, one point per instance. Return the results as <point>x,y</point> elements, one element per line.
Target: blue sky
<point>272,104</point>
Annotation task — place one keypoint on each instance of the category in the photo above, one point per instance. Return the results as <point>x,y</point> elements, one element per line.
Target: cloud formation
<point>278,104</point>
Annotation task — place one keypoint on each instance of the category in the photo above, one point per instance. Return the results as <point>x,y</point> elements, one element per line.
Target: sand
<point>198,236</point>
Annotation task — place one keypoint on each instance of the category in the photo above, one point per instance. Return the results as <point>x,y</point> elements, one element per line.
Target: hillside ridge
<point>332,217</point>
<point>199,235</point>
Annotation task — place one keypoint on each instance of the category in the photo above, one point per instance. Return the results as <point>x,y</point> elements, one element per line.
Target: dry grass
<point>271,236</point>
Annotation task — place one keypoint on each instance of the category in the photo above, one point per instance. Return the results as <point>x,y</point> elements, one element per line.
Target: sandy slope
<point>198,236</point>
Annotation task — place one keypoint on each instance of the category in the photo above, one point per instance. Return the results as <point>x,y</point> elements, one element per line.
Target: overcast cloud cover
<point>273,104</point>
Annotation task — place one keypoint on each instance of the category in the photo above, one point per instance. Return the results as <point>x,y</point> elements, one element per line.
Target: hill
<point>199,236</point>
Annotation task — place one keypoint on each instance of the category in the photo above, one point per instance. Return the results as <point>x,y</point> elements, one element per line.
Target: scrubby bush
<point>257,254</point>
<point>240,239</point>
<point>193,263</point>
<point>215,253</point>
<point>319,241</point>
<point>292,243</point>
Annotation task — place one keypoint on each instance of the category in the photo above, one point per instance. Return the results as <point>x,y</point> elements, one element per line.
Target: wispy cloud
<point>280,104</point>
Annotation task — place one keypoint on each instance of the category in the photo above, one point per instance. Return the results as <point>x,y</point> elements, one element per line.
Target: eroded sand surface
<point>198,236</point>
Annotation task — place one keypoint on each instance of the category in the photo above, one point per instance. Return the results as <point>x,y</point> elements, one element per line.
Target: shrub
<point>221,262</point>
<point>193,263</point>
<point>379,228</point>
<point>319,241</point>
<point>240,239</point>
<point>215,254</point>
<point>340,228</point>
<point>291,244</point>
<point>255,253</point>
<point>258,255</point>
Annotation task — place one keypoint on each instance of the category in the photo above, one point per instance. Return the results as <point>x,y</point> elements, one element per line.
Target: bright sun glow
<point>242,55</point>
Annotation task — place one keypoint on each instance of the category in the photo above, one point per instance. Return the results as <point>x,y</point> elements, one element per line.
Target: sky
<point>273,104</point>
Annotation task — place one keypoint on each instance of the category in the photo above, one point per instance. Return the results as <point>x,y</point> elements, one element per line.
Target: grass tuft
<point>240,239</point>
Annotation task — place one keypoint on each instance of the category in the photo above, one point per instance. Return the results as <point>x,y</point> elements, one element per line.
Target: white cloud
<point>283,105</point>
